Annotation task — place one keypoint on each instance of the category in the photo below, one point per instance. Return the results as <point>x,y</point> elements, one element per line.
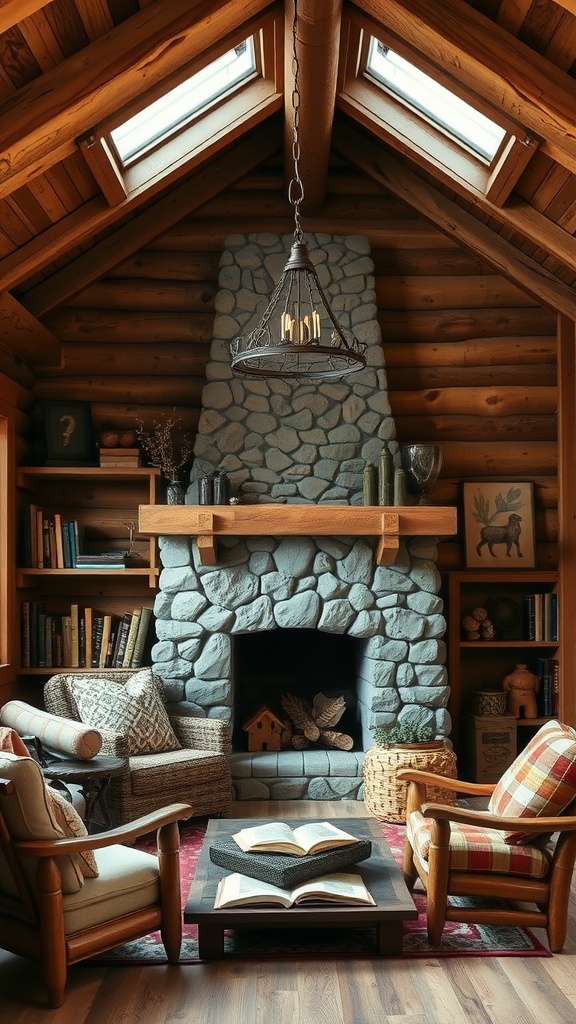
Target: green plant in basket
<point>405,732</point>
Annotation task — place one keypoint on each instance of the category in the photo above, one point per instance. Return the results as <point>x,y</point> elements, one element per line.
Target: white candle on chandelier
<point>287,327</point>
<point>315,325</point>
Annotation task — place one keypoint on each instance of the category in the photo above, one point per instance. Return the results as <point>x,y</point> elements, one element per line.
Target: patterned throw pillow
<point>541,781</point>
<point>68,819</point>
<point>133,709</point>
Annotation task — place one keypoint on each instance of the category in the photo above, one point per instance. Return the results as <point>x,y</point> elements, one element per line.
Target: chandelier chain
<point>296,188</point>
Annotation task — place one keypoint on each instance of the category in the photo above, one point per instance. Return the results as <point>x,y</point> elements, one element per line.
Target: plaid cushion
<point>541,781</point>
<point>480,850</point>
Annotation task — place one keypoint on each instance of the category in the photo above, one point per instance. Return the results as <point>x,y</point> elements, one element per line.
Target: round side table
<point>92,777</point>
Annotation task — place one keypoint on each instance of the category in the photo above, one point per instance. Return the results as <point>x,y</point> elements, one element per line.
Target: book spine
<point>122,639</point>
<point>74,636</point>
<point>127,661</point>
<point>41,639</point>
<point>58,541</point>
<point>66,544</point>
<point>111,647</point>
<point>88,632</point>
<point>74,542</point>
<point>97,631</point>
<point>538,617</point>
<point>141,637</point>
<point>104,639</point>
<point>67,640</point>
<point>81,642</point>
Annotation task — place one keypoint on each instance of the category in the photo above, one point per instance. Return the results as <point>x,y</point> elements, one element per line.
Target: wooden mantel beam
<point>207,522</point>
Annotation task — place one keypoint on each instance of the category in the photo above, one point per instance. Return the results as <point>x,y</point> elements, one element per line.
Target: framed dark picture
<point>68,433</point>
<point>499,525</point>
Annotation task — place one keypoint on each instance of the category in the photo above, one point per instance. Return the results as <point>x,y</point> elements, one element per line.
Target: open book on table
<point>341,887</point>
<point>277,837</point>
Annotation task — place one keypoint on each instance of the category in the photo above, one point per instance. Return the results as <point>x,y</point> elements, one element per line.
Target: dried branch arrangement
<point>167,445</point>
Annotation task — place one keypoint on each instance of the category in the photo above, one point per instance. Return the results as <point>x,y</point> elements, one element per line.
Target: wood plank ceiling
<point>64,63</point>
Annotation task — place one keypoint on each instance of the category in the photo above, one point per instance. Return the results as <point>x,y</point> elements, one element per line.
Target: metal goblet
<point>422,464</point>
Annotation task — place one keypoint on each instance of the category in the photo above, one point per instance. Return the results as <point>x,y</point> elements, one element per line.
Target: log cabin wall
<point>470,359</point>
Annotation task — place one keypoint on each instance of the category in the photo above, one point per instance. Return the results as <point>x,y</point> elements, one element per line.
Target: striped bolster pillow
<point>62,734</point>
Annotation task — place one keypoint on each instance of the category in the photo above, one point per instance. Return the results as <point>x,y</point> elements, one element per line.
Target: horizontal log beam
<point>461,324</point>
<point>460,292</point>
<point>80,359</point>
<point>535,350</point>
<point>524,376</point>
<point>471,460</point>
<point>119,416</point>
<point>141,294</point>
<point>510,401</point>
<point>453,428</point>
<point>170,266</point>
<point>167,391</point>
<point>103,327</point>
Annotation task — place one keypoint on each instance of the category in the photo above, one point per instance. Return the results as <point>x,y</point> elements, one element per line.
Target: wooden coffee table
<point>380,873</point>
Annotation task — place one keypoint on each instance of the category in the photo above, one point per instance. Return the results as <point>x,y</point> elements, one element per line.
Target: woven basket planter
<point>385,795</point>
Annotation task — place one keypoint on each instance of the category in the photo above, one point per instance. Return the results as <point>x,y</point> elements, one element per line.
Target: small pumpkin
<point>108,439</point>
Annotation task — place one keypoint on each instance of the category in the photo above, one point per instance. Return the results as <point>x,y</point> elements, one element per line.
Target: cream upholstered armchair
<point>168,756</point>
<point>66,896</point>
<point>521,850</point>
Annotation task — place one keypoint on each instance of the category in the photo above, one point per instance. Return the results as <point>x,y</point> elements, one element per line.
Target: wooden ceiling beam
<point>168,210</point>
<point>451,219</point>
<point>25,336</point>
<point>67,101</point>
<point>97,214</point>
<point>487,60</point>
<point>13,11</point>
<point>317,49</point>
<point>515,213</point>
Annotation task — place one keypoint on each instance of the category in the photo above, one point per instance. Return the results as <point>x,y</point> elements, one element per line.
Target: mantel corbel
<point>207,522</point>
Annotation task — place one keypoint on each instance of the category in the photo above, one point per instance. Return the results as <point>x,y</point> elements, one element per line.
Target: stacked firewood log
<point>313,723</point>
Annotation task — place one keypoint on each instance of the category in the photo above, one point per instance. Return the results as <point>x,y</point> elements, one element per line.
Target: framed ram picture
<point>499,525</point>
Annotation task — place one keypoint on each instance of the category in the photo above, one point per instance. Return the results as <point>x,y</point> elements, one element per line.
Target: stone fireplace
<point>302,613</point>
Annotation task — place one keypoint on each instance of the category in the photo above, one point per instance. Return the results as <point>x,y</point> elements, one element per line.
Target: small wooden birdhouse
<point>264,731</point>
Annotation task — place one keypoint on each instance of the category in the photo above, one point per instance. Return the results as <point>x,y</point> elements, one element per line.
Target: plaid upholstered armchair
<point>520,851</point>
<point>169,757</point>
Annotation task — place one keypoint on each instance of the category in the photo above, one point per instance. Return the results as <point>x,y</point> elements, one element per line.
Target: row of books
<point>540,612</point>
<point>54,542</point>
<point>548,696</point>
<point>83,638</point>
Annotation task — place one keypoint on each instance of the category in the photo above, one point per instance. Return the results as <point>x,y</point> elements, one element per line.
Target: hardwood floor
<point>483,990</point>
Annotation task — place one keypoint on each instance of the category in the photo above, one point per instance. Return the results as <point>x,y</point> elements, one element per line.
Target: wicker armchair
<point>198,773</point>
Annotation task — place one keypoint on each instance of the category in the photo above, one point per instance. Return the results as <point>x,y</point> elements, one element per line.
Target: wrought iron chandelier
<point>299,335</point>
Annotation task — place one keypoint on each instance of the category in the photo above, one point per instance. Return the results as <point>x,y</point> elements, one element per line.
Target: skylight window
<point>442,107</point>
<point>177,107</point>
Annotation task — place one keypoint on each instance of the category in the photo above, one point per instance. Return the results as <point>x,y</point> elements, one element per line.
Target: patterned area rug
<point>457,939</point>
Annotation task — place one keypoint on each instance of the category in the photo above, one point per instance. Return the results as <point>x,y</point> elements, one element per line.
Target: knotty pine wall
<point>471,360</point>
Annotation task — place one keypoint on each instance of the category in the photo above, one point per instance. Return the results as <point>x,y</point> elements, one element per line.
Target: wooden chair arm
<point>531,826</point>
<point>454,785</point>
<point>124,833</point>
